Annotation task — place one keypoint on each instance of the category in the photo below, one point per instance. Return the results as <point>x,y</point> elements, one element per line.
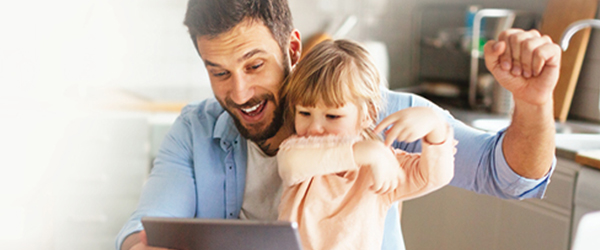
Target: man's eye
<point>256,66</point>
<point>219,74</point>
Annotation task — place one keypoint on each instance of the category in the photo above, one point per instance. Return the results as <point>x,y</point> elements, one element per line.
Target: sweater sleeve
<point>428,171</point>
<point>300,158</point>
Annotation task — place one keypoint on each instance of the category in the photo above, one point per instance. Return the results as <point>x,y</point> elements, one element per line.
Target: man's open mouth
<point>254,110</point>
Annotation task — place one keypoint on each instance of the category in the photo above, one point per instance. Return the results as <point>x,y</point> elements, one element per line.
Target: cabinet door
<point>528,226</point>
<point>454,218</point>
<point>451,218</point>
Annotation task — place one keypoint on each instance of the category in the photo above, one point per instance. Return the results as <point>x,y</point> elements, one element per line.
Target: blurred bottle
<point>469,20</point>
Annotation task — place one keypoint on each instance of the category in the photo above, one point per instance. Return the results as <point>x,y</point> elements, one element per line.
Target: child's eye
<point>304,113</point>
<point>333,116</point>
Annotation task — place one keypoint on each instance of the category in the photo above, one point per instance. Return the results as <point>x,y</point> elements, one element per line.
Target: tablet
<point>215,234</point>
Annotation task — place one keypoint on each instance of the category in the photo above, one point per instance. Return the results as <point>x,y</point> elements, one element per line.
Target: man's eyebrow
<point>250,54</point>
<point>209,63</point>
<point>244,57</point>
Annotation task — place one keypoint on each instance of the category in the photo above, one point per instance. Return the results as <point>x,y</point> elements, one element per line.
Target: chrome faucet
<point>574,27</point>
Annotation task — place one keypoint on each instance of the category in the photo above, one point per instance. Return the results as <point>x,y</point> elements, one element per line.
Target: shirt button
<point>230,167</point>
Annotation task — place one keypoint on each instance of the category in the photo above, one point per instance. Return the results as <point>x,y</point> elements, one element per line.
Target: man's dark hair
<point>214,17</point>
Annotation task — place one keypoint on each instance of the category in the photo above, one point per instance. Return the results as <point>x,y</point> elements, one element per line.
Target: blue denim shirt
<point>200,170</point>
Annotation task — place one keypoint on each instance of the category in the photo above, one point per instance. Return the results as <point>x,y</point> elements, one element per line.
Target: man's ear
<point>295,47</point>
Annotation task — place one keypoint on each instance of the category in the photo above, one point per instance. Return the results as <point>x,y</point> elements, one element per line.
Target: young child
<point>339,178</point>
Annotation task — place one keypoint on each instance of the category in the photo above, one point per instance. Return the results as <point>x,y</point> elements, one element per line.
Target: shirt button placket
<point>229,177</point>
<point>230,188</point>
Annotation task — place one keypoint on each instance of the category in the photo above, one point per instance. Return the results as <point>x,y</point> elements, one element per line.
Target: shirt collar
<point>225,130</point>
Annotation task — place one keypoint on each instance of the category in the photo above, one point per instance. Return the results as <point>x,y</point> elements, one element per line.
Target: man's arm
<point>138,241</point>
<point>529,141</point>
<point>169,191</point>
<point>528,65</point>
<point>131,241</point>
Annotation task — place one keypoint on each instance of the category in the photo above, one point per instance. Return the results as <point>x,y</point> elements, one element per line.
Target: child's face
<point>323,120</point>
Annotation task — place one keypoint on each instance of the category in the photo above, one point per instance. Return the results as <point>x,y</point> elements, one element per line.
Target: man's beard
<point>275,124</point>
<point>271,129</point>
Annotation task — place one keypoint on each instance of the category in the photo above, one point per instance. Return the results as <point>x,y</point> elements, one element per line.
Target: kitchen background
<point>72,172</point>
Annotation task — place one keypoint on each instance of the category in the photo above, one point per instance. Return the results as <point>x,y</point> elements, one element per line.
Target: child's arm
<point>435,167</point>
<point>412,124</point>
<point>428,171</point>
<point>301,158</point>
<point>387,174</point>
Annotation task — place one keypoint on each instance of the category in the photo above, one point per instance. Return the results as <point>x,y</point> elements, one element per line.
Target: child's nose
<point>315,128</point>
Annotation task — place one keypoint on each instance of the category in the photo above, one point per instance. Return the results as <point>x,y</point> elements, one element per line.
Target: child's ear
<point>366,120</point>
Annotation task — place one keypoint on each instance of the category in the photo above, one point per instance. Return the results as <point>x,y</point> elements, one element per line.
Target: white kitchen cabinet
<point>586,198</point>
<point>454,218</point>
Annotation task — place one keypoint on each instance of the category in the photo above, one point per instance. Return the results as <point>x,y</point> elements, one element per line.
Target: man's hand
<point>525,63</point>
<point>139,241</point>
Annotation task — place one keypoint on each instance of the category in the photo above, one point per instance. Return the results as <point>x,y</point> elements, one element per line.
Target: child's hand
<point>387,174</point>
<point>412,124</point>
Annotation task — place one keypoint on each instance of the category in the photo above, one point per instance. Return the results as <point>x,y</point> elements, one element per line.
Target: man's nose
<point>241,90</point>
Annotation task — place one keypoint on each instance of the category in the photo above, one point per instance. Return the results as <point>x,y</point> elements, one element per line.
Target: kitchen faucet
<point>574,27</point>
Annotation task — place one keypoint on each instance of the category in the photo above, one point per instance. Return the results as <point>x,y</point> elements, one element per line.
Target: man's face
<point>246,68</point>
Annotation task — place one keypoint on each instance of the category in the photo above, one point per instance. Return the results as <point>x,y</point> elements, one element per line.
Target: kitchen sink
<point>572,136</point>
<point>578,142</point>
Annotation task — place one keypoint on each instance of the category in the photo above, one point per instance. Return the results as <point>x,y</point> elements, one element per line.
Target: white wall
<point>143,44</point>
<point>394,26</point>
<point>71,175</point>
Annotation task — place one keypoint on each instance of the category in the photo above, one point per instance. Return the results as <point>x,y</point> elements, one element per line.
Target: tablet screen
<point>215,234</point>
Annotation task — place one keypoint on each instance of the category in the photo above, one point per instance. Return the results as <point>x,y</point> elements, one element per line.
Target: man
<point>217,160</point>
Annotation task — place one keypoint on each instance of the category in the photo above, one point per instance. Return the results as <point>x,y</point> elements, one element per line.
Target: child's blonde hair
<point>334,72</point>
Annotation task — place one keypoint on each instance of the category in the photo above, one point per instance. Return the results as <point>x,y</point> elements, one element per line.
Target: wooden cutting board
<point>559,14</point>
<point>312,41</point>
<point>589,158</point>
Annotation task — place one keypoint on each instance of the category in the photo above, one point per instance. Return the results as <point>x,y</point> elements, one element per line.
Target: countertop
<point>589,158</point>
<point>575,140</point>
<point>162,100</point>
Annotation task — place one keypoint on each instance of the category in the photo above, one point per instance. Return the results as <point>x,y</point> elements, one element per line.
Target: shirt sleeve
<point>514,184</point>
<point>169,190</point>
<point>480,165</point>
